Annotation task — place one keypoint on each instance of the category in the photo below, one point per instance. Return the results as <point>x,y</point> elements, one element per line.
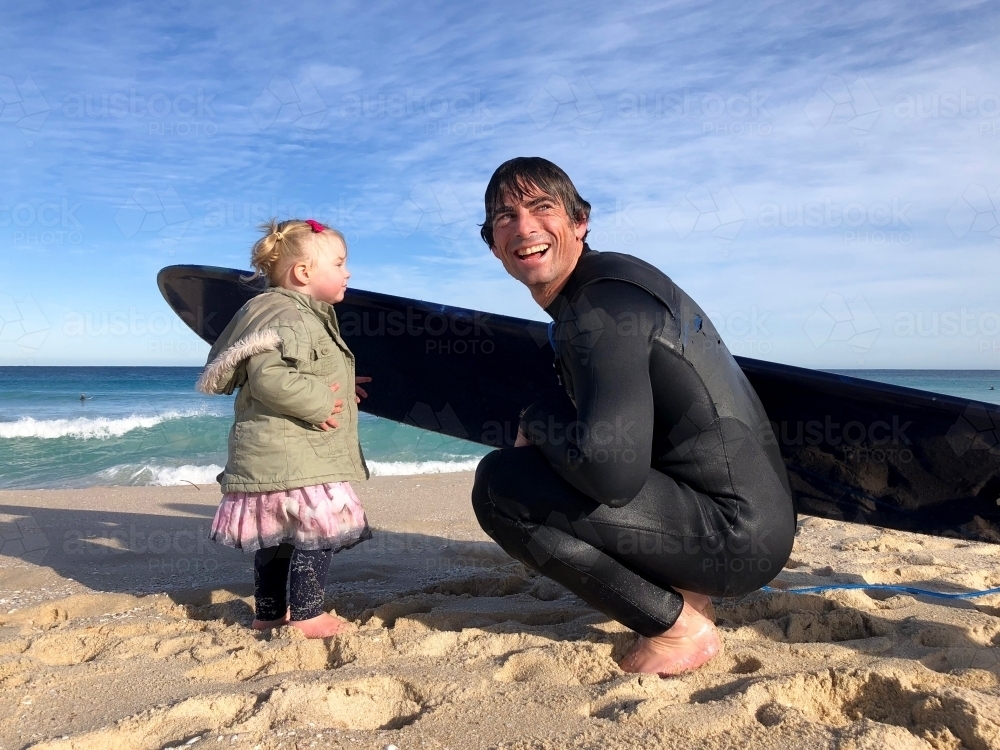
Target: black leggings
<point>625,562</point>
<point>285,575</point>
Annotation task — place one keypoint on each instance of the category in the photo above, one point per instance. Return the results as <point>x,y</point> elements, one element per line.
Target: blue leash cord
<point>883,587</point>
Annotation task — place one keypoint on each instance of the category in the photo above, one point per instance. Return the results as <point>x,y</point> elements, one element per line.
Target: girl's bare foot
<point>689,643</point>
<point>268,624</point>
<point>323,626</point>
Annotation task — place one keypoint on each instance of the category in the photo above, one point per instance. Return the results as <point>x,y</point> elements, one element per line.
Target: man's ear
<point>581,227</point>
<point>496,253</point>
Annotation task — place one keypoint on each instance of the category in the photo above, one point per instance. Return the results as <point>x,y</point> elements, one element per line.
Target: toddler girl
<point>294,446</point>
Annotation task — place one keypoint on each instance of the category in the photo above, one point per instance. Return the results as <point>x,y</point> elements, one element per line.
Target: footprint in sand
<point>948,716</point>
<point>366,704</point>
<point>561,664</point>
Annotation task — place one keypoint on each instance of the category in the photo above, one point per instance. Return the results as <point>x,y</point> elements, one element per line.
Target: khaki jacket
<point>282,351</point>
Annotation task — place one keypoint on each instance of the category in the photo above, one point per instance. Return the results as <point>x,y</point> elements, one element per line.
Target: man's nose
<point>527,223</point>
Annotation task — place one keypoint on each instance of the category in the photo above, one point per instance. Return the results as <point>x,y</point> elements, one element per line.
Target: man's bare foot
<point>689,643</point>
<point>268,624</point>
<point>323,626</point>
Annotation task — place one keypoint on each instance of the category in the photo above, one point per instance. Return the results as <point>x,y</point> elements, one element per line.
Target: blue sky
<point>824,181</point>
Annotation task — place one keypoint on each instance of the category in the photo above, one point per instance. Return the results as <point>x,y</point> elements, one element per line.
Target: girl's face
<point>328,275</point>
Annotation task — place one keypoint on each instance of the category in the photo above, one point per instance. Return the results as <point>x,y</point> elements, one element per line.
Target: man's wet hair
<point>527,175</point>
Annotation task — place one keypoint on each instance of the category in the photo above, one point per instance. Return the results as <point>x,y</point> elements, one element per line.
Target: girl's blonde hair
<point>285,244</point>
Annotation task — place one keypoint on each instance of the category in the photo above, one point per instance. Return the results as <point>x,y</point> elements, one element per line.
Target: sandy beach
<point>121,627</point>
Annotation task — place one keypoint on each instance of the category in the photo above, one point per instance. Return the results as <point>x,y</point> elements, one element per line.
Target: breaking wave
<point>86,428</point>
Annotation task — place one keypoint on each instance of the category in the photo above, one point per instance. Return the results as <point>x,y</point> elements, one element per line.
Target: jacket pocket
<point>329,445</point>
<point>324,360</point>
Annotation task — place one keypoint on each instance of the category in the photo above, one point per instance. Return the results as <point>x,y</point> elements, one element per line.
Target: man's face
<point>536,240</point>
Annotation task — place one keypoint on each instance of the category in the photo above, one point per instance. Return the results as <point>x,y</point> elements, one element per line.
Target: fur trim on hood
<point>219,372</point>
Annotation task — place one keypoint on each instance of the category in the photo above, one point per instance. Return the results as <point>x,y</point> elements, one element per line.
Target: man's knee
<point>482,504</point>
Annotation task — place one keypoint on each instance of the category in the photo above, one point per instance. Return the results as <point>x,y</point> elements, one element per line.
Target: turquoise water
<point>971,384</point>
<point>147,425</point>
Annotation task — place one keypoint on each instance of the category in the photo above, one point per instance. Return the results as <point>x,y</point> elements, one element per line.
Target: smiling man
<point>652,488</point>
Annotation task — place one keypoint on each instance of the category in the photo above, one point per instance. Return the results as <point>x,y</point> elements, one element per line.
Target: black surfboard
<point>856,450</point>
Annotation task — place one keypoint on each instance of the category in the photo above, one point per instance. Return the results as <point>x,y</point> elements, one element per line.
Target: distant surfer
<point>651,489</point>
<point>83,398</point>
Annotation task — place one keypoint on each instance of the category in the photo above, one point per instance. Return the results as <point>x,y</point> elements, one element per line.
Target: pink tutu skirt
<point>324,516</point>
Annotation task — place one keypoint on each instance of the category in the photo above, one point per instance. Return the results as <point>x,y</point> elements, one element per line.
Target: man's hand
<point>338,406</point>
<point>359,392</point>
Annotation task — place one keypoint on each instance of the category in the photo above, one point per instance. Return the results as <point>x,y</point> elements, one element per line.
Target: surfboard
<point>855,450</point>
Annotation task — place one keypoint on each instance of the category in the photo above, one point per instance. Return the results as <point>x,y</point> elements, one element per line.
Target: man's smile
<point>533,251</point>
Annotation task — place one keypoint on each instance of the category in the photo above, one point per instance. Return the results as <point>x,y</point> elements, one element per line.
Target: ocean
<point>148,426</point>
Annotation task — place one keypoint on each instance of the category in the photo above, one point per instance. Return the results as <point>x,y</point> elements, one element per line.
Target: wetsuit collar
<point>562,299</point>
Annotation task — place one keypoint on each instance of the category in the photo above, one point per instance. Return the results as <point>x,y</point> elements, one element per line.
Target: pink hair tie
<point>315,225</point>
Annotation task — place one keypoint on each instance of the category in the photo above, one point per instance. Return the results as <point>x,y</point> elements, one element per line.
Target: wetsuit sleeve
<point>279,386</point>
<point>603,449</point>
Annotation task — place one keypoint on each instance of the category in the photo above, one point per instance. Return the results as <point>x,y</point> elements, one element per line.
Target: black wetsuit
<point>659,477</point>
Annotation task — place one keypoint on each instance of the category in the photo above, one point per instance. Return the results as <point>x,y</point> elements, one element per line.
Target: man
<point>654,487</point>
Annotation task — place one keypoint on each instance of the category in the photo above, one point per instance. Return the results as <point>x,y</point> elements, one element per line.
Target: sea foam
<point>159,476</point>
<point>85,428</point>
<point>162,476</point>
<point>399,468</point>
